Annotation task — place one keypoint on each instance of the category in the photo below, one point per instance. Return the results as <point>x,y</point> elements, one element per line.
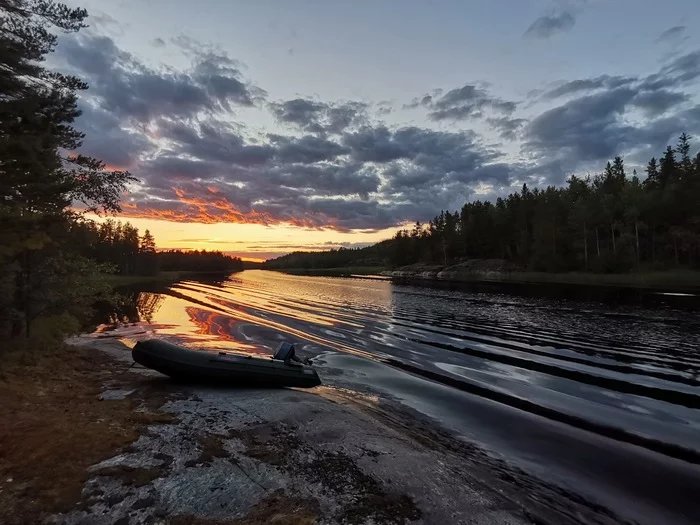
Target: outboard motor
<point>285,352</point>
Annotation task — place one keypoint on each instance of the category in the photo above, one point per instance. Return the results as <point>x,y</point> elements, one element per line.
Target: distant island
<point>610,228</point>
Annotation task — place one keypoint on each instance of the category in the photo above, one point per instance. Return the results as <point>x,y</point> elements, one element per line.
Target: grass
<point>333,272</point>
<point>53,427</point>
<point>212,447</point>
<point>132,476</point>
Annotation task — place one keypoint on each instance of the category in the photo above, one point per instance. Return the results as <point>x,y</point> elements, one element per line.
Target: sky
<point>262,127</point>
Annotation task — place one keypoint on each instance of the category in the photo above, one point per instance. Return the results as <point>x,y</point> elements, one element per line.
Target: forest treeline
<point>53,261</point>
<point>611,222</point>
<point>375,255</point>
<point>129,253</point>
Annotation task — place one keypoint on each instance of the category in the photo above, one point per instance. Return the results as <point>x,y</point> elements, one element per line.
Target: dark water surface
<point>599,398</point>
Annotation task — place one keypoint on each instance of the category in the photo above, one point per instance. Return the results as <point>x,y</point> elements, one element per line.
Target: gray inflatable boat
<point>178,362</point>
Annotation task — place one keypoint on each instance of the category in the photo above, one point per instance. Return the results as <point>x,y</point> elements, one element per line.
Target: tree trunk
<point>636,236</point>
<point>25,294</point>
<point>653,245</point>
<point>675,249</point>
<point>18,302</point>
<point>597,241</point>
<point>612,231</point>
<point>585,245</point>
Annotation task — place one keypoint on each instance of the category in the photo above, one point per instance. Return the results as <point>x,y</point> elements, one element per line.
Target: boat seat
<point>284,352</point>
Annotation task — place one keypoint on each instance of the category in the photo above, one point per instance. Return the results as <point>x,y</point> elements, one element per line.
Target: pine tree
<point>37,108</point>
<point>148,262</point>
<point>685,164</point>
<point>38,180</point>
<point>668,168</point>
<point>148,243</point>
<point>652,173</point>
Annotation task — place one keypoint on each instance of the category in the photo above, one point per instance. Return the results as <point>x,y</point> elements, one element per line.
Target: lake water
<point>600,398</point>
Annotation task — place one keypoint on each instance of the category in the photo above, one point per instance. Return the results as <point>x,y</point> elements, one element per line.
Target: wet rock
<point>276,456</point>
<point>115,394</point>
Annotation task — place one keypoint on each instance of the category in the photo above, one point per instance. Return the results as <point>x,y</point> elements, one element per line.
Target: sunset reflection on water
<point>251,317</point>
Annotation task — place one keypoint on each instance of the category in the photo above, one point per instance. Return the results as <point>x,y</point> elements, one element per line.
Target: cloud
<point>385,107</point>
<point>587,128</point>
<point>468,101</point>
<point>672,35</point>
<point>652,97</point>
<point>655,103</point>
<point>310,181</point>
<point>211,140</point>
<point>300,112</point>
<point>332,164</point>
<point>158,42</point>
<point>106,138</point>
<point>320,117</point>
<point>607,115</point>
<point>103,21</point>
<point>547,26</point>
<point>123,85</point>
<point>371,179</point>
<point>426,167</point>
<point>306,150</point>
<point>374,144</point>
<point>683,69</point>
<point>639,115</point>
<point>507,127</point>
<point>589,84</point>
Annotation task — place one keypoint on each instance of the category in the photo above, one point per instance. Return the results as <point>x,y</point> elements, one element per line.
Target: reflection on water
<point>592,365</point>
<point>148,304</point>
<point>629,367</point>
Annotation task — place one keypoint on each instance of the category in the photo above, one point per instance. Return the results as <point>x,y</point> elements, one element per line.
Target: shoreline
<point>685,280</point>
<point>341,271</point>
<point>672,280</point>
<point>161,277</point>
<point>293,457</point>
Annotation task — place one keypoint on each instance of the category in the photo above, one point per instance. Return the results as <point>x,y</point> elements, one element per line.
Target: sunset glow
<point>252,242</point>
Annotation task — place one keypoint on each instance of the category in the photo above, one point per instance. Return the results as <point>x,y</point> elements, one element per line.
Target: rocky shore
<point>192,455</point>
<point>277,456</point>
<point>475,269</point>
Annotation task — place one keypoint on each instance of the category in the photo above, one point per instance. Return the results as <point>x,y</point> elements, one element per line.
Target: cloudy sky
<point>262,127</point>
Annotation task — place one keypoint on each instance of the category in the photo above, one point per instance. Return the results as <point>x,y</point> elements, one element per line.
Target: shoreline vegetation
<point>670,280</point>
<point>47,452</point>
<point>677,280</point>
<point>117,280</point>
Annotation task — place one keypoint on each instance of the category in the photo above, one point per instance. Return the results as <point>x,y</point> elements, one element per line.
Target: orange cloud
<point>216,209</point>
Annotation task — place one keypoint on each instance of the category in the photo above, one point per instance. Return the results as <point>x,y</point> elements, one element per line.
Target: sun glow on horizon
<point>250,242</point>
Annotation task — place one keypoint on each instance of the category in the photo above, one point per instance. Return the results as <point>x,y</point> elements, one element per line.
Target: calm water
<point>559,388</point>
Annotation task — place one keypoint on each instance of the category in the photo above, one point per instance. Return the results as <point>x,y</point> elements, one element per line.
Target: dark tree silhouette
<point>39,181</point>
